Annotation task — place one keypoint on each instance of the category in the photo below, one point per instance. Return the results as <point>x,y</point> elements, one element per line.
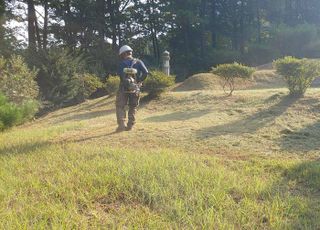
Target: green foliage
<point>259,54</point>
<point>221,56</point>
<point>58,75</point>
<point>112,84</point>
<point>157,82</point>
<point>9,114</point>
<point>294,40</point>
<point>17,81</point>
<point>85,85</point>
<point>101,58</point>
<point>229,72</point>
<point>312,50</point>
<point>28,109</point>
<point>12,114</point>
<point>298,73</point>
<point>63,78</point>
<point>9,44</point>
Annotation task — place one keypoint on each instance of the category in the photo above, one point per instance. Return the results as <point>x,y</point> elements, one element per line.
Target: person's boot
<point>129,127</point>
<point>121,128</point>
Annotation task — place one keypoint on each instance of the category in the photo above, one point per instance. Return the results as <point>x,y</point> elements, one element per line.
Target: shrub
<point>112,84</point>
<point>157,83</point>
<point>12,114</point>
<point>61,76</point>
<point>28,109</point>
<point>298,73</point>
<point>85,85</point>
<point>17,81</point>
<point>229,72</point>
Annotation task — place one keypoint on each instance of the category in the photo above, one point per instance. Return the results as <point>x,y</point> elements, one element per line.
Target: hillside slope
<point>195,159</point>
<point>263,78</point>
<point>254,121</point>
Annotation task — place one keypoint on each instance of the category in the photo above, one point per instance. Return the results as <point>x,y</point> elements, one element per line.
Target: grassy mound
<point>267,66</point>
<point>264,78</point>
<point>201,81</point>
<point>208,81</point>
<point>195,159</point>
<point>261,79</point>
<point>267,79</point>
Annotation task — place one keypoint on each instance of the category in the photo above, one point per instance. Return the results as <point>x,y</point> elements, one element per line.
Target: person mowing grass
<point>132,73</point>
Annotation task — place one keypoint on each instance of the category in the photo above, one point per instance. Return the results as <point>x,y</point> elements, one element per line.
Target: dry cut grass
<point>195,159</point>
<point>261,79</point>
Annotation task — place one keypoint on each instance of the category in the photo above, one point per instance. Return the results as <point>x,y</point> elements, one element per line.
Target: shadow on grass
<point>299,188</point>
<point>82,108</point>
<point>146,99</point>
<point>94,137</point>
<point>178,116</point>
<point>250,124</point>
<point>86,116</point>
<point>303,140</point>
<point>24,148</point>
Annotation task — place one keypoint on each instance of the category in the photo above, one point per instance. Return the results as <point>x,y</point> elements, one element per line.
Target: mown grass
<point>195,160</point>
<point>76,186</point>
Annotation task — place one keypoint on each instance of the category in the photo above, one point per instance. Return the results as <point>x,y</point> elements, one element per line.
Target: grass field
<point>195,159</point>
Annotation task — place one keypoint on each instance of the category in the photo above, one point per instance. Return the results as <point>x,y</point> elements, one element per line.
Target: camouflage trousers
<point>123,99</point>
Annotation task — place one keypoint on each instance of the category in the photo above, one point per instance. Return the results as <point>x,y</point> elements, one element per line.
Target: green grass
<point>195,160</point>
<point>84,186</point>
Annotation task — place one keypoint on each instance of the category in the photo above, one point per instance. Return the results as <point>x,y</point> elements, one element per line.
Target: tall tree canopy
<point>198,33</point>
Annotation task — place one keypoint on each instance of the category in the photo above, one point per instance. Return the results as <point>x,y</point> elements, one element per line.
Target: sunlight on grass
<point>194,160</point>
<point>80,186</point>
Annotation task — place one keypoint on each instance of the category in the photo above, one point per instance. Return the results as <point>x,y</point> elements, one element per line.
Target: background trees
<point>198,33</point>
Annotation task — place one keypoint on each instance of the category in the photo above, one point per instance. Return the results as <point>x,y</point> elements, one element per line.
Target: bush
<point>112,84</point>
<point>157,83</point>
<point>12,114</point>
<point>61,76</point>
<point>298,73</point>
<point>85,85</point>
<point>228,72</point>
<point>28,109</point>
<point>17,81</point>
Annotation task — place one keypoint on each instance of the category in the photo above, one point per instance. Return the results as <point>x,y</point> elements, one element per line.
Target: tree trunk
<point>241,29</point>
<point>2,8</point>
<point>119,34</point>
<point>101,6</point>
<point>202,14</point>
<point>31,26</point>
<point>111,10</point>
<point>153,30</point>
<point>235,44</point>
<point>45,26</point>
<point>67,17</point>
<point>213,25</point>
<point>258,22</point>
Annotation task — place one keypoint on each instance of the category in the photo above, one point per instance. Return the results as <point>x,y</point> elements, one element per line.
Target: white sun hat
<point>125,48</point>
